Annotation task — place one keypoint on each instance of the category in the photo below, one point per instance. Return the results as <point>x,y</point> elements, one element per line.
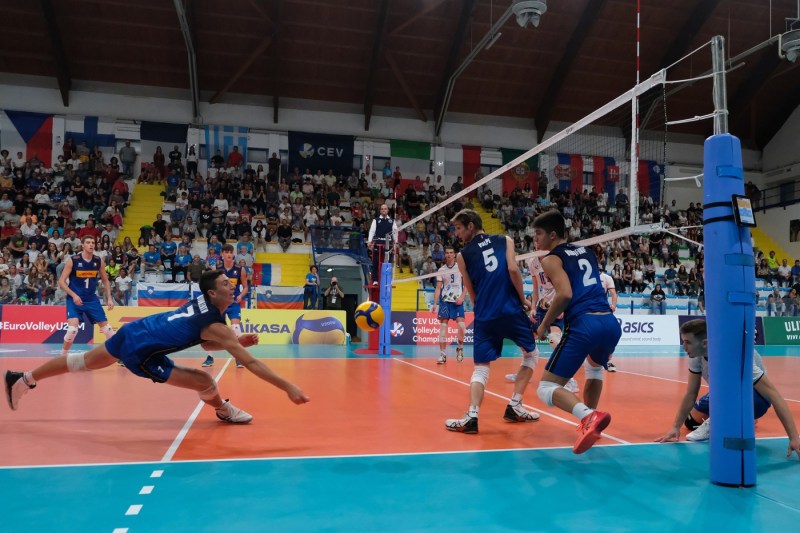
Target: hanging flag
<point>317,151</point>
<point>266,273</point>
<point>563,172</point>
<point>163,134</point>
<point>162,295</point>
<point>30,133</point>
<point>93,132</point>
<point>601,166</point>
<point>274,297</point>
<point>525,172</point>
<point>471,158</point>
<point>413,158</point>
<point>222,139</point>
<point>649,178</point>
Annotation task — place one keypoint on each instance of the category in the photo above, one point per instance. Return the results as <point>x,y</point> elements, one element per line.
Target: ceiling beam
<point>467,9</point>
<point>559,76</point>
<point>403,85</point>
<point>406,23</point>
<point>242,69</point>
<point>377,48</point>
<point>186,30</point>
<point>276,62</point>
<point>59,55</point>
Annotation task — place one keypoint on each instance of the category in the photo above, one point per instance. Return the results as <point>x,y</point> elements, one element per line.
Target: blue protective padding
<point>740,259</point>
<point>730,311</point>
<point>385,342</point>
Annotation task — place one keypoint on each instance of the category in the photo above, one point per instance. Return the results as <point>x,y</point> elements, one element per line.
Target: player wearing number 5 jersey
<point>449,302</point>
<point>491,276</point>
<point>144,345</point>
<point>590,328</point>
<point>79,281</point>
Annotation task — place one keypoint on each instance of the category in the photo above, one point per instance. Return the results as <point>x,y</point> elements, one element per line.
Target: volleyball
<point>318,327</point>
<point>369,316</point>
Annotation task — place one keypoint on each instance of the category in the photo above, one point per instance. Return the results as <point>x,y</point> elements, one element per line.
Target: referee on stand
<point>382,235</point>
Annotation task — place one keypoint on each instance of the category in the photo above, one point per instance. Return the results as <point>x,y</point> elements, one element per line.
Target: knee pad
<point>691,423</point>
<point>480,375</point>
<point>546,390</point>
<point>72,332</point>
<point>593,372</point>
<point>210,393</point>
<point>442,332</point>
<point>237,329</point>
<point>554,338</point>
<point>529,359</point>
<point>76,362</point>
<point>107,330</point>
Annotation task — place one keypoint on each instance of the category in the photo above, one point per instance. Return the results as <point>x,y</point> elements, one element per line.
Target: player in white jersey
<point>448,300</point>
<point>608,284</point>
<point>541,297</point>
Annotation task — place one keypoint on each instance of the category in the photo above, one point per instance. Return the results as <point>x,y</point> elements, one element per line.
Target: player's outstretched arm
<point>221,336</point>
<point>768,390</point>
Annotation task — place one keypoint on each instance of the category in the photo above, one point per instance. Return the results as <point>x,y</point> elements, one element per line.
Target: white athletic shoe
<point>442,359</point>
<point>467,424</point>
<point>572,386</point>
<point>228,412</point>
<point>16,388</point>
<point>511,377</point>
<point>702,433</point>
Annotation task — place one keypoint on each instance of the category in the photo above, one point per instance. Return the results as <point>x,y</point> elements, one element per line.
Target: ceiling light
<point>529,11</point>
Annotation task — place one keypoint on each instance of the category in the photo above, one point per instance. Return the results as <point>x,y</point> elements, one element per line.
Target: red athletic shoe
<point>590,430</point>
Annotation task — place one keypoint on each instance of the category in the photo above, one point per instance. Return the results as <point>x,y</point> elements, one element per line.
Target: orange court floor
<point>362,407</point>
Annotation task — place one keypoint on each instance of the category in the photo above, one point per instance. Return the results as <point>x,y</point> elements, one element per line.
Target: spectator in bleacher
<point>772,261</point>
<point>112,268</point>
<point>284,234</point>
<point>243,257</point>
<point>195,269</point>
<point>152,260</point>
<point>181,264</point>
<point>221,202</point>
<point>160,226</point>
<point>311,288</point>
<point>682,281</point>
<point>168,251</point>
<point>405,258</point>
<point>7,295</point>
<point>261,235</point>
<point>775,305</point>
<point>429,267</point>
<point>639,283</point>
<point>671,278</point>
<point>791,303</point>
<point>763,271</point>
<point>159,164</point>
<point>122,287</point>
<point>658,301</point>
<point>796,271</point>
<point>189,228</point>
<point>109,231</point>
<point>627,278</point>
<point>235,158</point>
<point>784,274</point>
<point>127,156</point>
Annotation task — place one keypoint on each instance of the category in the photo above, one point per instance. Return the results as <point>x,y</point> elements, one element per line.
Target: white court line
<point>551,415</point>
<point>133,510</point>
<point>182,434</point>
<point>147,489</point>
<point>157,473</point>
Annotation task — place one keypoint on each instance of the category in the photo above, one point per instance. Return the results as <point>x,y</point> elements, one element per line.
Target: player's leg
<point>206,387</point>
<point>593,387</point>
<point>73,321</point>
<point>519,328</point>
<point>462,332</point>
<point>236,326</point>
<point>19,383</point>
<point>444,316</point>
<point>698,420</point>
<point>487,347</point>
<point>553,338</point>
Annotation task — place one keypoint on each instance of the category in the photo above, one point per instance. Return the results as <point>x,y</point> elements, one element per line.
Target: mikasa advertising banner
<point>648,330</point>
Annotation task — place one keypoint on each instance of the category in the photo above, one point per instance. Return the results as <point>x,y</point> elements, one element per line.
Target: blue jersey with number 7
<point>588,295</point>
<point>495,295</point>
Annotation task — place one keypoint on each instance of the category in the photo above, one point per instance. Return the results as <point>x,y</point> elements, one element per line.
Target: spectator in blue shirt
<point>152,260</point>
<point>182,261</point>
<point>168,250</point>
<point>670,277</point>
<point>796,271</point>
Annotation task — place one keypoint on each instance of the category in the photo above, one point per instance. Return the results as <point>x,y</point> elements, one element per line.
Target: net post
<point>720,90</point>
<point>385,343</point>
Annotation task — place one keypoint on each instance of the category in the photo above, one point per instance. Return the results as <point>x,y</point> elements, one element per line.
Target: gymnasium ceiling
<point>379,54</point>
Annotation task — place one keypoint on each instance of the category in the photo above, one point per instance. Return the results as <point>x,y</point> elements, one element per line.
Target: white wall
<point>784,148</point>
<point>775,222</point>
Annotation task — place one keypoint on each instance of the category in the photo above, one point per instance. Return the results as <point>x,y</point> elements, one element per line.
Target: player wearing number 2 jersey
<point>590,328</point>
<point>79,281</point>
<point>491,276</point>
<point>144,345</point>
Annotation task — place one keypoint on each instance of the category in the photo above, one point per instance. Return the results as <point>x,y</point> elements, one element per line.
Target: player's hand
<point>296,395</point>
<point>459,300</point>
<point>673,435</point>
<point>248,340</point>
<point>541,332</point>
<point>526,307</point>
<point>110,304</point>
<point>794,446</point>
<point>77,300</point>
<point>613,308</point>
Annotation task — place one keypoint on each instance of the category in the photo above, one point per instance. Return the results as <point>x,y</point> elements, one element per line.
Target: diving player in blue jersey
<point>79,281</point>
<point>238,279</point>
<point>491,276</point>
<point>591,328</point>
<point>144,345</point>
